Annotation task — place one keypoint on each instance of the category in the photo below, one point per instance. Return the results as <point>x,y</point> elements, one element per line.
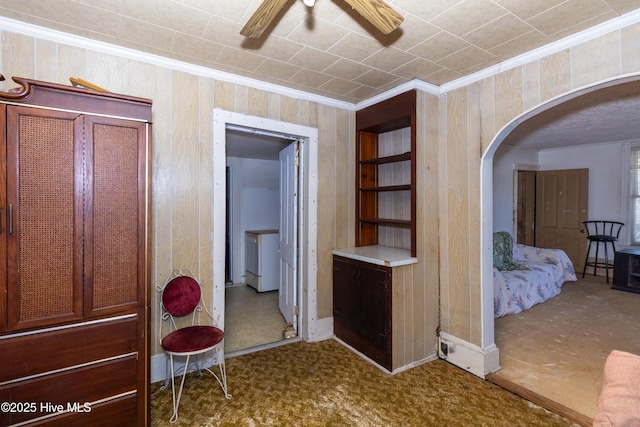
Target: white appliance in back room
<point>261,260</point>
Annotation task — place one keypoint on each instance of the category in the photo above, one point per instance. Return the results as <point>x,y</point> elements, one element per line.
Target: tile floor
<point>557,349</point>
<point>251,318</point>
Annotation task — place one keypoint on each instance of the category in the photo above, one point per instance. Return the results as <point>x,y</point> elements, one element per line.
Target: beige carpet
<point>325,384</point>
<point>557,349</point>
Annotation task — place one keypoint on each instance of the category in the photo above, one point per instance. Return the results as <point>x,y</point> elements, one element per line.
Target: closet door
<point>42,217</point>
<point>116,213</point>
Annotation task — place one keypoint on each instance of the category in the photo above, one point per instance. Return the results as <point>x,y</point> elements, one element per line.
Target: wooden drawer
<point>114,413</point>
<point>33,353</point>
<point>77,386</point>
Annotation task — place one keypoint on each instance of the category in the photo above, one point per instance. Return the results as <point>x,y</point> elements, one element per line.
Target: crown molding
<point>612,25</point>
<point>568,42</point>
<point>160,61</point>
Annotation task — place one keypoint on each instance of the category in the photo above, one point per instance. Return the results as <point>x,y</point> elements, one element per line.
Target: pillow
<point>619,403</point>
<point>503,252</point>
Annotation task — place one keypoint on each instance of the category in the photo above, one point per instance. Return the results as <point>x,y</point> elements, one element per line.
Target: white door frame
<point>308,237</point>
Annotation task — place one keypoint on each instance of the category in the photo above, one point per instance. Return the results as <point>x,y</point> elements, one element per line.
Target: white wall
<point>256,203</point>
<point>607,164</point>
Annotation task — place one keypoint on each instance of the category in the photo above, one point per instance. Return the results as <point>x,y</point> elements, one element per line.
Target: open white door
<point>289,233</point>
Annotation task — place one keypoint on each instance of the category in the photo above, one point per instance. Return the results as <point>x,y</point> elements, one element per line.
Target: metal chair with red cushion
<point>181,296</point>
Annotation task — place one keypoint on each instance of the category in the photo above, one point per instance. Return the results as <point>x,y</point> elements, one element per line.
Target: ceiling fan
<point>377,12</point>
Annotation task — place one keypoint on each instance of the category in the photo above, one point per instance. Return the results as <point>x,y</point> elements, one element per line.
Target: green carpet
<point>325,384</point>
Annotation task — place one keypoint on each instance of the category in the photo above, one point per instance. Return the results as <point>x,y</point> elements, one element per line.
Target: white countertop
<point>379,255</point>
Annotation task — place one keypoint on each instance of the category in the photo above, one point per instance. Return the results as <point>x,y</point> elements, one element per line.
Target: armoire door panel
<point>3,210</point>
<point>115,228</point>
<point>43,205</point>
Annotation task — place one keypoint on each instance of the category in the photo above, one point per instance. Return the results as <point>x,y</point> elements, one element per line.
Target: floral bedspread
<point>518,290</point>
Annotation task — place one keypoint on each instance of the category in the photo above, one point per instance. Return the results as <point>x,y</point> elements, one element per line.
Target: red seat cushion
<point>192,339</point>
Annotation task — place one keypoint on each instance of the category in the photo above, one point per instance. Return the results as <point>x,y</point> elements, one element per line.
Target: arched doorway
<point>611,105</point>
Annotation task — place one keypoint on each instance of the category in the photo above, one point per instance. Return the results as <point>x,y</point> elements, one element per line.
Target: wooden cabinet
<point>386,173</point>
<point>362,307</point>
<point>74,253</point>
<point>626,272</point>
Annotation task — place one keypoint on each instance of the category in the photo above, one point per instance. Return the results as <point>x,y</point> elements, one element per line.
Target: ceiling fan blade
<point>378,13</point>
<point>262,18</point>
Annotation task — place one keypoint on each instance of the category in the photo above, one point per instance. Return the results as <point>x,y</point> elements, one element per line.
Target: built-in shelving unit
<point>386,173</point>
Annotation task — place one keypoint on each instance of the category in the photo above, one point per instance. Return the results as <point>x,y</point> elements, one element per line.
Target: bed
<point>524,276</point>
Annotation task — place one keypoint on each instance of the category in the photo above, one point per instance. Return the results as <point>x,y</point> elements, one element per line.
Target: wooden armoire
<point>74,256</point>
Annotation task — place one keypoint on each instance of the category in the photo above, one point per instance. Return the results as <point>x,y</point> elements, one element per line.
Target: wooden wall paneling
<point>313,116</point>
<point>508,95</point>
<point>289,109</point>
<point>273,111</point>
<point>241,99</point>
<point>100,71</point>
<point>185,170</point>
<point>443,212</point>
<point>458,212</point>
<point>596,60</point>
<point>555,74</point>
<point>161,196</point>
<point>46,62</point>
<point>344,175</point>
<point>18,57</point>
<point>326,220</point>
<point>474,148</point>
<point>530,86</point>
<point>72,62</point>
<point>304,118</point>
<point>630,49</point>
<point>205,196</point>
<point>486,118</point>
<point>428,270</point>
<point>258,102</point>
<point>225,94</point>
<point>147,87</point>
<point>425,252</point>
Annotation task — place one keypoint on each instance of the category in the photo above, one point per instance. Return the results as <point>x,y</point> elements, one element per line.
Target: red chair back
<point>181,296</point>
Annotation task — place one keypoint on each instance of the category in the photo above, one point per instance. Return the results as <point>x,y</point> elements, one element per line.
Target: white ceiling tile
<point>329,49</point>
<point>389,59</point>
<point>437,47</point>
<point>355,47</point>
<point>467,16</point>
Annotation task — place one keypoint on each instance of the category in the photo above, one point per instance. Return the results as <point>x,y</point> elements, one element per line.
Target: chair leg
<point>586,260</point>
<point>595,264</point>
<point>176,401</point>
<point>606,261</point>
<point>222,378</point>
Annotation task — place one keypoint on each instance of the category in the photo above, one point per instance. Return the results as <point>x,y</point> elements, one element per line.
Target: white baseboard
<point>468,356</point>
<point>322,330</point>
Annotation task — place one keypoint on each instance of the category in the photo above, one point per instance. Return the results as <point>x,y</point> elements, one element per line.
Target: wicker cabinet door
<point>115,229</point>
<point>43,217</point>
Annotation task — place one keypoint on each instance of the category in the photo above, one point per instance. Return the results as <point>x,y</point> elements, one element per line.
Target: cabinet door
<point>362,307</point>
<point>43,217</point>
<point>115,215</point>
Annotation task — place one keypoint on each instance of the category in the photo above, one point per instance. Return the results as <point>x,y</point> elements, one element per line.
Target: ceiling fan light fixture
<point>309,3</point>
